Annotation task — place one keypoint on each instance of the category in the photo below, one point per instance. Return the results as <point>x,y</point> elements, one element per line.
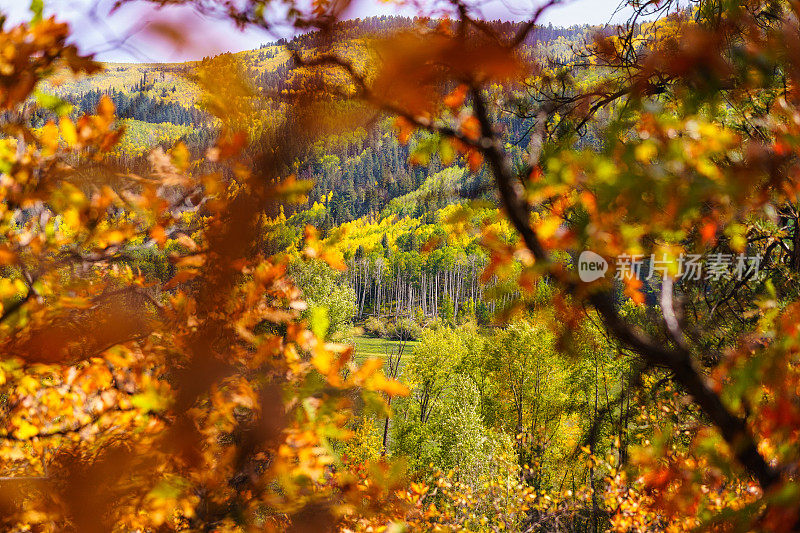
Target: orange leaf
<point>7,257</point>
<point>158,234</point>
<point>105,108</point>
<point>191,261</point>
<point>471,128</point>
<point>404,129</point>
<point>393,387</point>
<point>455,99</point>
<point>185,240</point>
<point>475,160</point>
<point>181,277</point>
<point>231,145</point>
<point>708,232</point>
<point>367,369</point>
<point>632,289</point>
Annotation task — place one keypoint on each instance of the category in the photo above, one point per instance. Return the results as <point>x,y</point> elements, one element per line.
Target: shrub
<point>446,310</point>
<point>483,314</point>
<point>375,327</point>
<point>405,329</point>
<point>435,324</point>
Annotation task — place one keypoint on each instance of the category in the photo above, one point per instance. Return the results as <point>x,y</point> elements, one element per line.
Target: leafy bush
<point>404,329</point>
<point>375,327</point>
<point>447,310</point>
<point>323,288</point>
<point>435,324</point>
<point>482,314</point>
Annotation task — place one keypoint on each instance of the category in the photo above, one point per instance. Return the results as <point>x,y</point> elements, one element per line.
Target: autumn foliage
<point>212,400</point>
<point>129,405</point>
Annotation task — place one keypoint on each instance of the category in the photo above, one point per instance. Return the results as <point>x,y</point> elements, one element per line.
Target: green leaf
<point>37,8</point>
<point>170,488</point>
<point>319,321</point>
<point>447,153</point>
<point>57,105</point>
<point>150,400</point>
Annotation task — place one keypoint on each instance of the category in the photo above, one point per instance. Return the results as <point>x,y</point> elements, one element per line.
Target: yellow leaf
<point>8,288</point>
<point>114,237</point>
<point>180,156</point>
<point>322,361</point>
<point>26,430</point>
<point>645,152</point>
<point>49,138</point>
<point>548,227</point>
<point>72,218</point>
<point>68,131</point>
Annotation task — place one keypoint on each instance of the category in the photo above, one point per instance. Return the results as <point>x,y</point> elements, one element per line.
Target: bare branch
<point>668,311</point>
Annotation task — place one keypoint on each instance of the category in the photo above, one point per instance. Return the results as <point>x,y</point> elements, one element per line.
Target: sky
<point>139,32</point>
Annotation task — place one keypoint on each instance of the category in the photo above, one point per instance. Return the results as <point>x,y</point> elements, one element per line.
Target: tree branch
<point>733,429</point>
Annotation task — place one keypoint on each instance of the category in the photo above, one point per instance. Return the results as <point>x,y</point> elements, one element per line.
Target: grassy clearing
<point>369,347</point>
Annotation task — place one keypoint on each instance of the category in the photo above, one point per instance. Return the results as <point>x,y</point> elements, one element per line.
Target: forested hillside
<point>366,168</point>
<point>366,182</point>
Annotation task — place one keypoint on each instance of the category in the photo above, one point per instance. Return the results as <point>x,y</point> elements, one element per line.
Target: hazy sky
<point>149,39</point>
